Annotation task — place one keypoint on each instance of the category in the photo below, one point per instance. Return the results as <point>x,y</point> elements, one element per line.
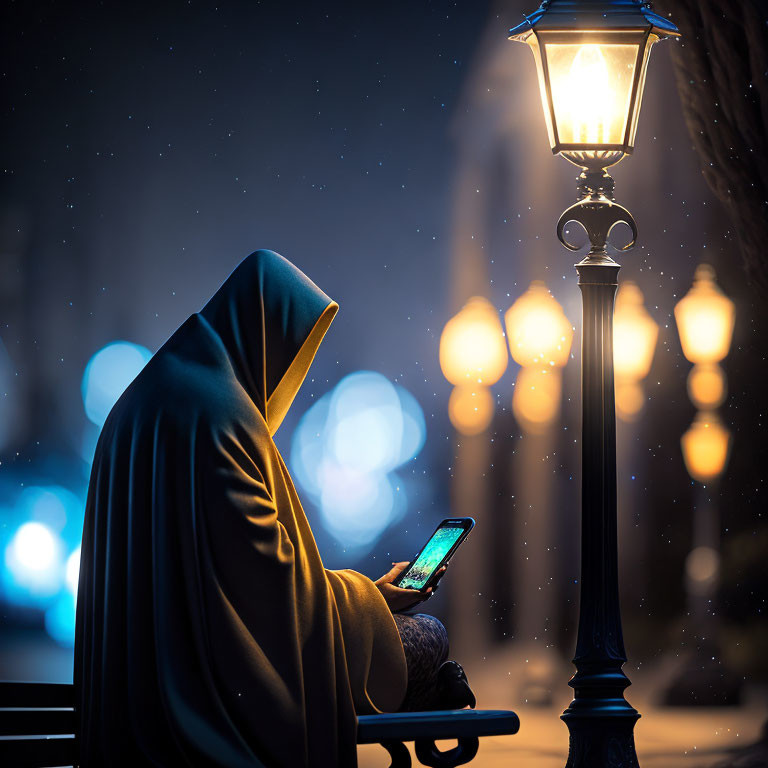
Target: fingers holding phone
<point>397,598</point>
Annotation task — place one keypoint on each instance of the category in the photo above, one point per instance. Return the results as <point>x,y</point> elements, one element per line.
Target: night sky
<point>148,147</point>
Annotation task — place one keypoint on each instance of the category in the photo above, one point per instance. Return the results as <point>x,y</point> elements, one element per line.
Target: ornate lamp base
<point>603,742</point>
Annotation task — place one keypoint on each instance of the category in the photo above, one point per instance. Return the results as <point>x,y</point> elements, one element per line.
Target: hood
<point>271,319</point>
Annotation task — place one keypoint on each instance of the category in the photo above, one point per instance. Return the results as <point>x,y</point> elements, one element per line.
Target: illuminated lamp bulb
<point>536,401</point>
<point>705,447</point>
<point>470,409</point>
<point>707,385</point>
<point>472,348</point>
<point>589,97</point>
<point>538,331</point>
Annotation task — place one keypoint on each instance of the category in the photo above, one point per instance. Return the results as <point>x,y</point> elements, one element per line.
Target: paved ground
<point>665,737</point>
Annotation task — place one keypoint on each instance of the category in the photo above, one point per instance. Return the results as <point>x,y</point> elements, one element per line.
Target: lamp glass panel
<point>640,88</point>
<point>536,48</point>
<point>591,90</point>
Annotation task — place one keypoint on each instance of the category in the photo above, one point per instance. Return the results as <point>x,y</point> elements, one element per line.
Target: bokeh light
<point>52,505</point>
<point>707,385</point>
<point>538,331</point>
<point>470,409</point>
<point>702,566</point>
<point>536,400</point>
<point>107,376</point>
<point>629,399</point>
<point>705,446</point>
<point>33,561</point>
<point>634,334</point>
<point>367,423</point>
<point>472,348</point>
<point>705,318</point>
<point>344,451</point>
<point>72,571</point>
<point>60,619</point>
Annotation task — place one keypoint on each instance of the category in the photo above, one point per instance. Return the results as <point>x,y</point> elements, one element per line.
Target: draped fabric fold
<point>208,631</point>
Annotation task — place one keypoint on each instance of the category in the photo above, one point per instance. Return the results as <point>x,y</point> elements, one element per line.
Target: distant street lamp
<point>705,319</point>
<point>538,331</point>
<point>634,342</point>
<point>539,336</point>
<point>591,59</point>
<point>473,357</point>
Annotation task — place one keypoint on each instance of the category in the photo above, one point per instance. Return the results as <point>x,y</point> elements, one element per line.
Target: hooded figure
<point>208,631</point>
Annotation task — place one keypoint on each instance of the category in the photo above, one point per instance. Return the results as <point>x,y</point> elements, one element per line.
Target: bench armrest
<point>423,728</point>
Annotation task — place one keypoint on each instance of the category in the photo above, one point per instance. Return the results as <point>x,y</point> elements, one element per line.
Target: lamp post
<point>591,59</point>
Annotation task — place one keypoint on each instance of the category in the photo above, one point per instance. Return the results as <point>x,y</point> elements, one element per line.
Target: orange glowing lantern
<point>705,446</point>
<point>538,331</point>
<point>705,318</point>
<point>472,348</point>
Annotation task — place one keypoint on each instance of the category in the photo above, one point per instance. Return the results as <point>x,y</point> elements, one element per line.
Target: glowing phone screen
<point>430,558</point>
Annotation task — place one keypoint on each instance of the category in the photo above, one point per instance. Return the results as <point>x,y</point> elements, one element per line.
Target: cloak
<point>208,631</point>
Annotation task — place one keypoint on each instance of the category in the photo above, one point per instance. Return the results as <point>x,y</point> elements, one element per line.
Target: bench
<point>38,729</point>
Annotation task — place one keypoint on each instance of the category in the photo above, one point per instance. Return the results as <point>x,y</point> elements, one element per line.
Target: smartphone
<point>448,536</point>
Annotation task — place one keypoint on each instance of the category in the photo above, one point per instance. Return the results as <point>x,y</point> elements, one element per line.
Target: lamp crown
<point>565,15</point>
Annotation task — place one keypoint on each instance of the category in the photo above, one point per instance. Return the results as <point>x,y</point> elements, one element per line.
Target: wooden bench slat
<point>37,752</point>
<point>36,722</point>
<point>441,724</point>
<point>13,694</point>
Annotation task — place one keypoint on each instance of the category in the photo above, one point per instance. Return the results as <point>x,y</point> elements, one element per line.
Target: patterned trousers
<point>425,642</point>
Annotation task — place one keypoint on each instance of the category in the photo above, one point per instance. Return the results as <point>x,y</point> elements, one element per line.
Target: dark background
<point>147,148</point>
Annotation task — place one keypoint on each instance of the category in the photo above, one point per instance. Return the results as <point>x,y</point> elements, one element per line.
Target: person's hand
<point>399,599</point>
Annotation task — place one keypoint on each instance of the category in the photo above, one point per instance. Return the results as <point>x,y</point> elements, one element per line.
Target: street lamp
<point>472,348</point>
<point>591,59</point>
<point>634,341</point>
<point>538,331</point>
<point>539,336</point>
<point>705,319</point>
<point>473,357</point>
